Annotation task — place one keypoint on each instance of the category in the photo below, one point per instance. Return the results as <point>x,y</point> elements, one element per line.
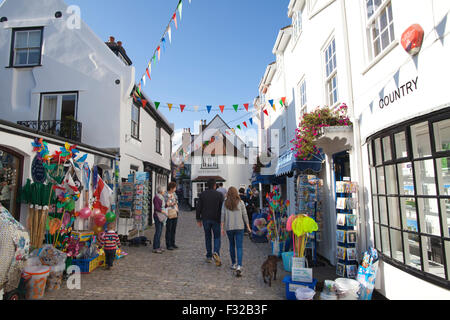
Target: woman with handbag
<point>172,213</point>
<point>160,217</point>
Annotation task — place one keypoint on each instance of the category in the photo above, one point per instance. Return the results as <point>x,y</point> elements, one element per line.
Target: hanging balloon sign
<point>412,39</point>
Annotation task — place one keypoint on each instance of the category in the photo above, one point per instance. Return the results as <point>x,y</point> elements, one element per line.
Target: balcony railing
<point>68,129</point>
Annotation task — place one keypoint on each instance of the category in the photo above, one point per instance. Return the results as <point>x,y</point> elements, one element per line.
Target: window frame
<point>213,166</point>
<point>421,235</point>
<point>13,51</point>
<point>158,137</point>
<point>303,97</point>
<point>297,23</point>
<point>133,123</point>
<point>59,96</point>
<point>333,74</point>
<point>374,20</point>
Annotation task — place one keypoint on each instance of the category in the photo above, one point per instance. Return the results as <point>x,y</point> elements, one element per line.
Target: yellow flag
<point>170,105</point>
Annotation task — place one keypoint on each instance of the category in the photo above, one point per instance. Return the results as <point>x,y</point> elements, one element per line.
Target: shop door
<point>11,165</point>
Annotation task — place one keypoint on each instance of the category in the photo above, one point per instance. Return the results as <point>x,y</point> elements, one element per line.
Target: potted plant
<point>312,128</point>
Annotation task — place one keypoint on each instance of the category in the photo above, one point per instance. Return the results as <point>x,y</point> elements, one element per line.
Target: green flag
<point>157,105</point>
<point>236,106</point>
<point>239,127</point>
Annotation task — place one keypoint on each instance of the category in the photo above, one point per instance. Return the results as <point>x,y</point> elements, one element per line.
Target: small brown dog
<point>269,269</point>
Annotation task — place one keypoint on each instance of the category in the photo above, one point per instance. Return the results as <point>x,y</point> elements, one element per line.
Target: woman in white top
<point>234,221</point>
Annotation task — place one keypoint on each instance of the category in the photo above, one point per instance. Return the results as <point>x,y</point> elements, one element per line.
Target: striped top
<point>110,240</point>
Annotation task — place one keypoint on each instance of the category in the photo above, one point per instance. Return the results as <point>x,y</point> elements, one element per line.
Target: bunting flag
<point>246,105</point>
<point>251,121</point>
<point>236,106</point>
<point>174,18</point>
<point>182,106</point>
<point>170,106</point>
<point>239,127</point>
<point>283,101</point>
<point>222,108</point>
<point>209,108</point>
<point>267,113</point>
<point>148,74</point>
<point>159,52</point>
<point>196,108</point>
<point>143,79</point>
<point>180,8</point>
<point>163,42</point>
<point>245,124</point>
<point>157,105</point>
<point>169,32</point>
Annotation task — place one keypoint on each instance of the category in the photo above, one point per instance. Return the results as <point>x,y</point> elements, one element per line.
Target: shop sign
<point>38,172</point>
<point>401,92</point>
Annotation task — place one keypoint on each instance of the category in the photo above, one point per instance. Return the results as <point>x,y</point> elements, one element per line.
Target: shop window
<point>26,48</point>
<point>10,171</point>
<point>410,182</point>
<point>380,25</point>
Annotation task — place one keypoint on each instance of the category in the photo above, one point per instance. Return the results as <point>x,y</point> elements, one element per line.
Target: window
<point>283,136</point>
<point>297,23</point>
<point>410,181</point>
<point>280,64</point>
<point>331,73</point>
<point>209,162</point>
<point>158,138</point>
<point>26,48</point>
<point>303,99</point>
<point>59,106</point>
<point>135,121</point>
<point>380,25</point>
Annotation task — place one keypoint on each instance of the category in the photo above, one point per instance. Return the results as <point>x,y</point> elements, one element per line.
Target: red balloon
<point>100,220</point>
<point>85,213</point>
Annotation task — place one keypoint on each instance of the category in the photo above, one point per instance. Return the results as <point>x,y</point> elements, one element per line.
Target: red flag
<point>175,19</point>
<point>182,106</point>
<point>222,108</point>
<point>144,102</point>
<point>246,106</point>
<point>284,100</point>
<point>148,73</point>
<point>245,124</point>
<point>265,111</point>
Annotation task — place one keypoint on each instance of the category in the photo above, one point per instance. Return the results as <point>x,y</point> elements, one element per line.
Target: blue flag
<point>209,108</point>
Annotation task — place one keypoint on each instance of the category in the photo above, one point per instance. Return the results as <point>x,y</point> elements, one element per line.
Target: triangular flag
<point>182,106</point>
<point>169,32</point>
<point>139,90</point>
<point>170,106</point>
<point>195,108</point>
<point>209,108</point>
<point>267,113</point>
<point>154,58</point>
<point>143,79</point>
<point>251,121</point>
<point>283,100</point>
<point>174,18</point>
<point>245,124</point>
<point>148,74</point>
<point>274,108</point>
<point>236,106</point>
<point>246,106</point>
<point>234,131</point>
<point>159,52</point>
<point>144,103</point>
<point>271,103</point>
<point>239,127</point>
<point>180,8</point>
<point>222,108</point>
<point>157,105</point>
<point>163,42</point>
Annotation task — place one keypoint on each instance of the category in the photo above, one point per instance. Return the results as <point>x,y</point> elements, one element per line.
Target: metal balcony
<point>67,129</point>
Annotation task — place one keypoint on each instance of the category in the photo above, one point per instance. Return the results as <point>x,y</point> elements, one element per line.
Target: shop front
<point>11,171</point>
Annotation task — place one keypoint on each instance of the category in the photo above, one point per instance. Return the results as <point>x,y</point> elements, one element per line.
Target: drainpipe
<point>364,241</point>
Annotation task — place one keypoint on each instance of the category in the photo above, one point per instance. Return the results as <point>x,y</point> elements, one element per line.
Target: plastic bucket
<point>55,277</point>
<point>347,289</point>
<point>287,260</point>
<point>304,294</point>
<point>328,296</point>
<point>37,280</point>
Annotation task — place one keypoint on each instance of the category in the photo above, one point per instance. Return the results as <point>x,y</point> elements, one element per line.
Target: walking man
<point>209,209</point>
<point>222,190</point>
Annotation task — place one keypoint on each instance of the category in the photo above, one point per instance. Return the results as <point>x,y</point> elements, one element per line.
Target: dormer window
<point>26,48</point>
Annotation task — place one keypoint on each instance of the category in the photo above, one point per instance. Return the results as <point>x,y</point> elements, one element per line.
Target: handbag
<point>161,216</point>
<point>172,213</point>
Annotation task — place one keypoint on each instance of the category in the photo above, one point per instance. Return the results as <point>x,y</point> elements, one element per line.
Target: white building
<point>345,52</point>
<point>61,78</point>
<point>215,152</point>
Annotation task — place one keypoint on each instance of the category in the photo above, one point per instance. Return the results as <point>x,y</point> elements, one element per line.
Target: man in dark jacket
<point>209,209</point>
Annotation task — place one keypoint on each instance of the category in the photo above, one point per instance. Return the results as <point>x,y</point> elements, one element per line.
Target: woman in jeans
<point>172,207</point>
<point>160,217</point>
<point>234,222</point>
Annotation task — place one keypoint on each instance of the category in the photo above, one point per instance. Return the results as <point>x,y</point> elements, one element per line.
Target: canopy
<point>266,179</point>
<point>287,163</point>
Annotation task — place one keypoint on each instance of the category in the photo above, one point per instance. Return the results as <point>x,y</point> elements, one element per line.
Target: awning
<point>288,163</point>
<point>207,178</point>
<point>270,179</point>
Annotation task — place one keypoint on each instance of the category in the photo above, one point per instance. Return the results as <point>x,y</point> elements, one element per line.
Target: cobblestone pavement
<point>181,274</point>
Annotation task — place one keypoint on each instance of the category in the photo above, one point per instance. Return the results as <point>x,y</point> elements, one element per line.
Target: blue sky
<point>217,57</point>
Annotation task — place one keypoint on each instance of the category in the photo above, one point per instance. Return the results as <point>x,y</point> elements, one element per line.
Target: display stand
<point>126,222</point>
<point>309,202</point>
<point>346,203</point>
<point>141,195</point>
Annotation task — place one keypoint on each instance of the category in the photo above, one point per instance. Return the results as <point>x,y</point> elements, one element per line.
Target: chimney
<point>112,39</point>
<point>186,137</point>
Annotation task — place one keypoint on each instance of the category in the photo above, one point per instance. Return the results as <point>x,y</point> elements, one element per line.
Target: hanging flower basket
<point>314,125</point>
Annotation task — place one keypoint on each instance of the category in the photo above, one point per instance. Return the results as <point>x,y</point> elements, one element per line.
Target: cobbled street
<point>182,274</point>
